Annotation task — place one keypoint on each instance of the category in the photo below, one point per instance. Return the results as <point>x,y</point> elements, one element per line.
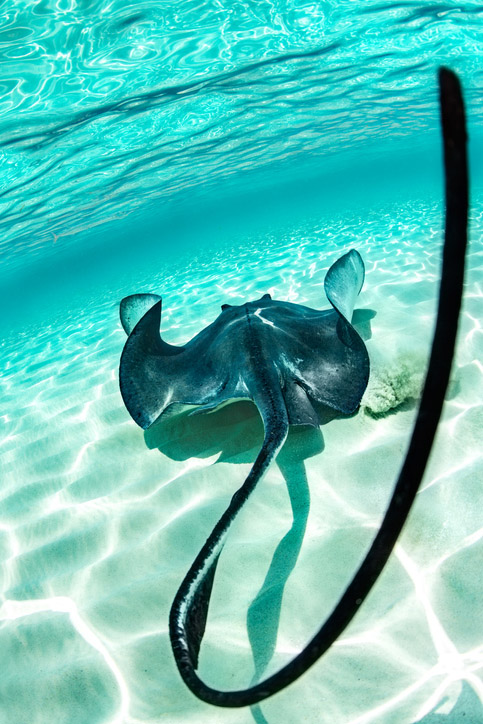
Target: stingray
<point>283,356</point>
<point>289,359</point>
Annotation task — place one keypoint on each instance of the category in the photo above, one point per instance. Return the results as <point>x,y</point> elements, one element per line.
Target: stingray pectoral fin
<point>344,281</point>
<point>134,307</point>
<point>299,407</point>
<point>139,371</point>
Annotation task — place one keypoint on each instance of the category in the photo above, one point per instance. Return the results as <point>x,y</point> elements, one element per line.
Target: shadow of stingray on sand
<point>263,615</point>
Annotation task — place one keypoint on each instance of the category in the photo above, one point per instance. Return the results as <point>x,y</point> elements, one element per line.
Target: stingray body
<point>287,358</point>
<point>283,356</point>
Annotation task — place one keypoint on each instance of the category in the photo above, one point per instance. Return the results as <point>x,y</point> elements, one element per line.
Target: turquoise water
<point>213,152</point>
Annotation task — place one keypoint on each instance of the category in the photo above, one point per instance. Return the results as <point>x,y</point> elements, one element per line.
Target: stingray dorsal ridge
<point>344,281</point>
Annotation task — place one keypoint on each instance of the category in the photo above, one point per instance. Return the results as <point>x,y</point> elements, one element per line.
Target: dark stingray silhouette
<point>288,359</point>
<point>280,355</point>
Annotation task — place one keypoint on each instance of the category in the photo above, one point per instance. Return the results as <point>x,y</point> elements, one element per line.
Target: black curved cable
<point>442,350</point>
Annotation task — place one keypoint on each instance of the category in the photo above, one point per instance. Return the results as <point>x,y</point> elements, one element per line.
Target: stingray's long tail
<point>189,611</point>
<point>188,614</point>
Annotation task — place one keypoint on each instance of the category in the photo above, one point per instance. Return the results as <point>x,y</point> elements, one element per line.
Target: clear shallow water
<point>317,154</point>
<point>109,109</point>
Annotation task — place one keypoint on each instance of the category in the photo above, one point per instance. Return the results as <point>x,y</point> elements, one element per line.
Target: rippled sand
<point>98,525</point>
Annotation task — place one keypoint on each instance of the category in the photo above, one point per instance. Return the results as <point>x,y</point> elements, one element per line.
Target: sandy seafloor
<point>97,530</point>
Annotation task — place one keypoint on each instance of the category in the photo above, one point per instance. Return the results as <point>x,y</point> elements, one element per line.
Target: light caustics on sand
<point>40,445</point>
<point>59,450</point>
<point>13,610</point>
<point>453,666</point>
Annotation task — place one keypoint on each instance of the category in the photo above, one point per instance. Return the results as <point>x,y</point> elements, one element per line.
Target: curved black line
<point>442,350</point>
<point>187,618</point>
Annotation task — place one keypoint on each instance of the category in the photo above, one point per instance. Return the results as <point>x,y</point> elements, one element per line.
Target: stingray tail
<point>189,611</point>
<point>197,585</point>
